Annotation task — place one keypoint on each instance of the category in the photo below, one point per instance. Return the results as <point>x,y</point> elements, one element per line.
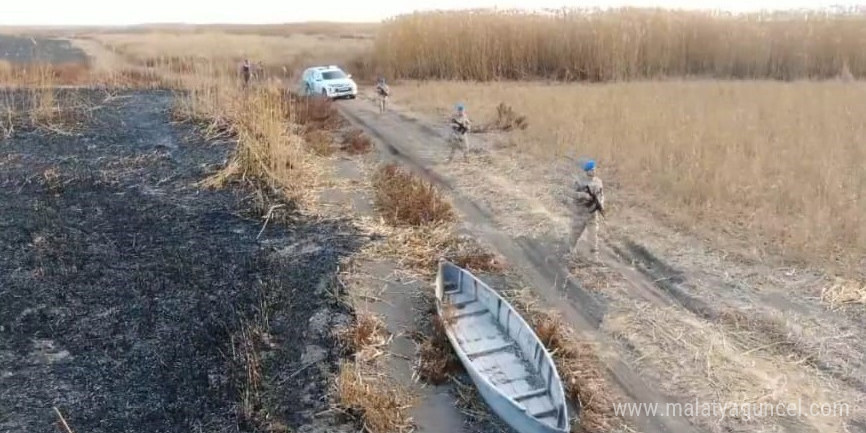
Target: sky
<point>103,12</point>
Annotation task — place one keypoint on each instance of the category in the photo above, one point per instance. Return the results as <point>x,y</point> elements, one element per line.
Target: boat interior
<point>500,346</point>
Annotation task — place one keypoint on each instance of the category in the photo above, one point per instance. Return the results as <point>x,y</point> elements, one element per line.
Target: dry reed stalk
<point>62,421</point>
<point>380,405</point>
<point>246,356</point>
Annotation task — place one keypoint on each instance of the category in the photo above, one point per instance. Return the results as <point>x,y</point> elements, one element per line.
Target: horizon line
<point>840,9</point>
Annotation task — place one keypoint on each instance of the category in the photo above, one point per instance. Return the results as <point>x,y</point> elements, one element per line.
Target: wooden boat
<point>512,369</point>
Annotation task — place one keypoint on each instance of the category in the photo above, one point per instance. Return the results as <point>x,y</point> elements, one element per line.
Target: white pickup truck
<point>328,81</point>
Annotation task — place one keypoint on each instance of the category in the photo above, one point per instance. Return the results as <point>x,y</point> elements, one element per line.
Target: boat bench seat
<point>488,347</point>
<point>539,406</point>
<point>459,299</point>
<point>529,394</point>
<point>471,309</point>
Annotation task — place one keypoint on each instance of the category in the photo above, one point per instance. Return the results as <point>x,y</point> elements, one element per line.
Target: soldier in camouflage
<point>246,71</point>
<point>382,93</point>
<point>460,126</point>
<point>588,208</point>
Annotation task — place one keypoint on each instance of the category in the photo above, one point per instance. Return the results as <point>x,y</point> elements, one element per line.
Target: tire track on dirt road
<point>420,148</point>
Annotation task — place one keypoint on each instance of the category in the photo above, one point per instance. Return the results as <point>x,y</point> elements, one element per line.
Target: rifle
<point>596,204</point>
<point>460,127</point>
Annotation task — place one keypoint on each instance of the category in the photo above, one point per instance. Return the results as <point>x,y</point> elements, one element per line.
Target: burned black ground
<point>123,284</point>
<point>18,49</point>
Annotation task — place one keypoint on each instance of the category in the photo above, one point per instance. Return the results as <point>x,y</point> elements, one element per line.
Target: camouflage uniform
<point>587,215</point>
<point>246,71</point>
<point>382,92</point>
<point>459,136</point>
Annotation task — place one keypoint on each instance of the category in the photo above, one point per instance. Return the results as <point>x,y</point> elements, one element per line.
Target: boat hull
<point>511,411</point>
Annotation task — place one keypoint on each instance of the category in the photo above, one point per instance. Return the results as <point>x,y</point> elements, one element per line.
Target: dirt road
<point>658,321</point>
<point>134,300</point>
<point>418,146</point>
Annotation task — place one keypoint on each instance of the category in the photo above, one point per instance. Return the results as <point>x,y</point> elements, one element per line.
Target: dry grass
<point>365,337</point>
<point>720,363</point>
<point>373,399</point>
<point>319,141</point>
<point>844,293</point>
<point>246,358</point>
<point>42,106</point>
<point>41,74</point>
<point>404,199</point>
<point>110,68</point>
<point>357,143</point>
<point>775,165</point>
<point>768,332</point>
<point>436,362</point>
<point>417,249</point>
<point>379,405</point>
<point>419,226</point>
<point>619,45</point>
<point>39,105</point>
<point>314,112</point>
<point>8,116</point>
<point>506,120</point>
<point>414,249</point>
<point>262,119</point>
<point>579,366</point>
<point>474,257</point>
<point>270,126</point>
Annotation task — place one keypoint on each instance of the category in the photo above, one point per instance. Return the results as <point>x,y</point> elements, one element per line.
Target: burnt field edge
<point>125,283</point>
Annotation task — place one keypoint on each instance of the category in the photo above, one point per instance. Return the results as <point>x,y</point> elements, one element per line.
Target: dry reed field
<point>622,44</point>
<point>776,164</point>
<point>278,55</point>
